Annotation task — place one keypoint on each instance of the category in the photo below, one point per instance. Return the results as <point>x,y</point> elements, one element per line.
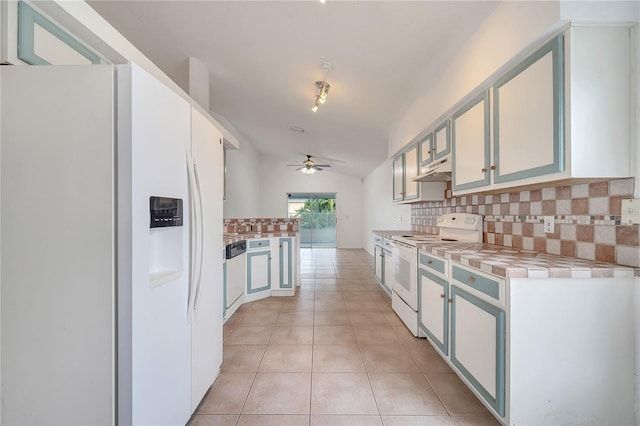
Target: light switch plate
<point>631,211</point>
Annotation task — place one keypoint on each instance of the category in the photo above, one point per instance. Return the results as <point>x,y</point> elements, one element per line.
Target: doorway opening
<point>317,214</point>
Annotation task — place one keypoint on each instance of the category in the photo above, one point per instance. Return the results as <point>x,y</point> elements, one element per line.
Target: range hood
<point>438,171</point>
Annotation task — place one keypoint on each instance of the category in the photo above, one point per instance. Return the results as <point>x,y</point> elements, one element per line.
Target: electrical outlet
<point>549,225</point>
<point>400,218</point>
<point>630,211</point>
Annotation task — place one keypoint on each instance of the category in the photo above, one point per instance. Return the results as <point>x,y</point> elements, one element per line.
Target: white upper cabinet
<point>470,135</point>
<point>405,189</point>
<point>598,105</point>
<point>527,105</point>
<point>398,178</point>
<point>441,141</point>
<point>410,172</point>
<point>563,112</point>
<point>425,147</point>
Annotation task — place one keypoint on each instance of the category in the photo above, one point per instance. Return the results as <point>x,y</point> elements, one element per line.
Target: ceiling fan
<point>309,166</point>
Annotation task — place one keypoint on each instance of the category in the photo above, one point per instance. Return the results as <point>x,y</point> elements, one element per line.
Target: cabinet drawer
<point>387,245</point>
<point>258,244</point>
<point>434,263</point>
<point>377,240</point>
<point>493,288</point>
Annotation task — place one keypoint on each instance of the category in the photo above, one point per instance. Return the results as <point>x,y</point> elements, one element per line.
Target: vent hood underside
<point>439,171</point>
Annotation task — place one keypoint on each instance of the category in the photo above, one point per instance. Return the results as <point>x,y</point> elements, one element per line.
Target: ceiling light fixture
<point>308,170</point>
<point>323,87</point>
<point>321,97</point>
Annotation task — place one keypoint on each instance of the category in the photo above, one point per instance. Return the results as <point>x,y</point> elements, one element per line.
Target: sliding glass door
<point>317,214</point>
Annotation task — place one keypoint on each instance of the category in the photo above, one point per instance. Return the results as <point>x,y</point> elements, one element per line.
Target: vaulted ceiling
<point>265,56</point>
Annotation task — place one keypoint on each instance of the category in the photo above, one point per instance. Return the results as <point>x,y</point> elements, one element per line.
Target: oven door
<point>405,285</point>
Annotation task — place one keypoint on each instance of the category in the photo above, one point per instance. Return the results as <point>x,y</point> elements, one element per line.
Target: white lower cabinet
<point>284,282</point>
<point>258,268</point>
<point>383,268</point>
<point>388,270</point>
<point>534,351</point>
<point>434,312</point>
<point>478,345</point>
<point>378,260</point>
<point>272,267</point>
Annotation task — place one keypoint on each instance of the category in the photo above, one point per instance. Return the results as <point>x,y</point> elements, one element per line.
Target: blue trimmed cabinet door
<point>378,262</point>
<point>398,178</point>
<point>425,148</point>
<point>478,345</point>
<point>441,141</point>
<point>434,309</point>
<point>528,115</point>
<point>470,140</point>
<point>258,271</point>
<point>411,170</point>
<point>285,248</point>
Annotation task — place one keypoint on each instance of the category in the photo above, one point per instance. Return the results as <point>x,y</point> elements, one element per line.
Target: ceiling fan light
<point>315,107</point>
<point>308,170</point>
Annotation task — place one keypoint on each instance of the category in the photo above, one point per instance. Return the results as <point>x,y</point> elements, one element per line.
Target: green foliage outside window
<point>317,213</point>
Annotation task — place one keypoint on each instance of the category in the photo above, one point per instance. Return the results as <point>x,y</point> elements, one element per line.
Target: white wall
<point>85,23</point>
<point>380,213</point>
<point>257,186</point>
<point>276,180</point>
<point>199,82</point>
<point>508,30</point>
<point>243,182</point>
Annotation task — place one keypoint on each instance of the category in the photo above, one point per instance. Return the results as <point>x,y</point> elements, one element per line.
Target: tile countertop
<point>239,236</point>
<point>512,262</point>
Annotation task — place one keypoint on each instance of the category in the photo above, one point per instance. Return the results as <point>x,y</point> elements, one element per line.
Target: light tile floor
<point>334,354</point>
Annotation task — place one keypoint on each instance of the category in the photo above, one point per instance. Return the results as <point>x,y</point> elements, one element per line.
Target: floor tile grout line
<point>255,376</point>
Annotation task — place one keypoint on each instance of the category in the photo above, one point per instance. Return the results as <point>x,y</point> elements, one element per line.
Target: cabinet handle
<point>441,296</point>
<point>450,301</point>
<point>493,167</point>
<point>429,262</point>
<point>470,279</point>
<point>484,170</point>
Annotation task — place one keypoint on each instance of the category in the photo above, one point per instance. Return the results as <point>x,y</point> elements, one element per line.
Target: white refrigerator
<point>98,310</point>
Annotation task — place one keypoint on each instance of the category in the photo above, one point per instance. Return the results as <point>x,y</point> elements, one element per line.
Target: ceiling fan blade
<point>323,158</point>
<point>323,165</point>
<point>300,168</point>
<point>292,165</point>
<point>317,168</point>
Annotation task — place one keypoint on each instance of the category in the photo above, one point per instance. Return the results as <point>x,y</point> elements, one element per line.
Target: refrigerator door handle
<point>192,237</point>
<point>200,235</point>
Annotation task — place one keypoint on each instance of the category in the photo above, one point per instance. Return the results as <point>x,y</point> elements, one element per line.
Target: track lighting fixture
<point>321,97</point>
<point>323,87</point>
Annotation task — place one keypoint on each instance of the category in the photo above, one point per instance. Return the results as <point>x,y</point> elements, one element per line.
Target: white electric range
<point>452,227</point>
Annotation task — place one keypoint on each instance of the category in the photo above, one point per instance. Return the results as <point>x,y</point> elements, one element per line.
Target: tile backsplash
<point>586,219</point>
<point>262,225</point>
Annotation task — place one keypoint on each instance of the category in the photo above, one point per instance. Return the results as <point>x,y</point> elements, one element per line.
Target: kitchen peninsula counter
<point>229,238</point>
<point>254,228</point>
